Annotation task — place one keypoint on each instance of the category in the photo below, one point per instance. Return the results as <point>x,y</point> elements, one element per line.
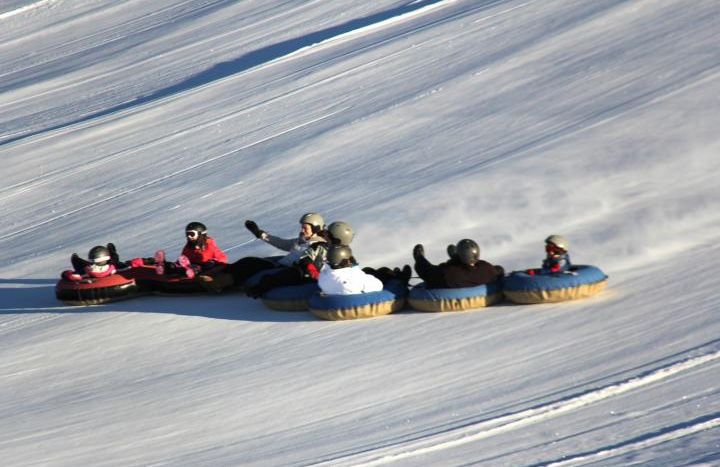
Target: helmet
<point>467,251</point>
<point>195,230</point>
<point>558,240</point>
<point>314,219</point>
<point>337,254</point>
<point>99,255</point>
<point>199,227</point>
<point>341,233</point>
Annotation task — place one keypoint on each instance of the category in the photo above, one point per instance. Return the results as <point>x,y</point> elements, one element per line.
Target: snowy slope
<point>416,121</point>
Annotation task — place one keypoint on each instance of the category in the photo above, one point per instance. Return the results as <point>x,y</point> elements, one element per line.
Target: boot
<point>114,257</point>
<point>160,262</point>
<point>406,274</point>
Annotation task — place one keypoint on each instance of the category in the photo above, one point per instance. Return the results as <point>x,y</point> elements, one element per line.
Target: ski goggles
<point>192,234</point>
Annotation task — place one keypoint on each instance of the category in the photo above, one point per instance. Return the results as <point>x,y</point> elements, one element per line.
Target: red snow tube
<point>127,283</point>
<point>94,291</point>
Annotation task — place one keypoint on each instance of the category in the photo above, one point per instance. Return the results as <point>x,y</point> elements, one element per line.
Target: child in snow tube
<point>200,254</point>
<point>102,261</point>
<point>557,280</point>
<point>464,269</point>
<point>237,273</point>
<point>303,262</point>
<point>348,292</point>
<point>557,258</point>
<point>462,283</point>
<point>280,291</point>
<point>100,279</point>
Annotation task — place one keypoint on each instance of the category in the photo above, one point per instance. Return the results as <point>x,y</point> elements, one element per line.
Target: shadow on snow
<point>235,306</point>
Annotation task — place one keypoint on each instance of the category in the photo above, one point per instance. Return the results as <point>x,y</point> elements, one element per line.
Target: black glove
<point>253,227</point>
<point>418,251</point>
<point>452,251</point>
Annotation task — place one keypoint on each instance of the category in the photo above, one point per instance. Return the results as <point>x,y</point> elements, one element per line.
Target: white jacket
<point>347,281</point>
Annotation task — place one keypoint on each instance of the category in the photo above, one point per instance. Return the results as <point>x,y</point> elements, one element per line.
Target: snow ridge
<point>640,442</point>
<point>488,428</point>
<point>25,8</point>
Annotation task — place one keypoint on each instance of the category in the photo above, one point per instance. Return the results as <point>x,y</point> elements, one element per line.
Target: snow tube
<point>357,306</point>
<point>290,297</point>
<point>126,283</point>
<point>459,299</point>
<point>95,291</point>
<point>583,281</point>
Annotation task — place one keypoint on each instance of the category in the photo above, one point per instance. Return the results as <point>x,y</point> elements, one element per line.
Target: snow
<point>421,121</point>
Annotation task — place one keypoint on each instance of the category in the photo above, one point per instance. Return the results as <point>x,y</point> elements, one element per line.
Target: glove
<point>254,229</point>
<point>137,263</point>
<point>418,251</point>
<point>312,271</point>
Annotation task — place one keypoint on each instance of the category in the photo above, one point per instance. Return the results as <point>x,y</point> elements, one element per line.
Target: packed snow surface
<point>422,121</point>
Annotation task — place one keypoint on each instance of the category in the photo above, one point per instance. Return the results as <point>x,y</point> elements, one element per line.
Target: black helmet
<point>467,251</point>
<point>195,230</point>
<point>314,219</point>
<point>337,254</point>
<point>99,255</point>
<point>340,233</point>
<point>198,226</point>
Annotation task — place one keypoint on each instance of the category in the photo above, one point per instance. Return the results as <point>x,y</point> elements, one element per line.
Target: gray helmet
<point>340,233</point>
<point>467,251</point>
<point>558,240</point>
<point>99,255</point>
<point>314,219</point>
<point>337,254</point>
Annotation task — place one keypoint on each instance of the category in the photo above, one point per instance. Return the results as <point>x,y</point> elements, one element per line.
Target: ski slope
<point>422,121</point>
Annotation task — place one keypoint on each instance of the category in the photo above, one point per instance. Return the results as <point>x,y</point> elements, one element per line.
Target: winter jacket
<point>455,274</point>
<point>558,263</point>
<point>201,256</point>
<point>95,270</point>
<point>346,281</point>
<point>297,248</point>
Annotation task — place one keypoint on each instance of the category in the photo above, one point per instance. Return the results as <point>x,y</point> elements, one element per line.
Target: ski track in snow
<point>176,173</point>
<point>339,39</point>
<point>637,444</point>
<point>25,320</point>
<point>32,6</point>
<point>488,428</point>
<point>25,186</point>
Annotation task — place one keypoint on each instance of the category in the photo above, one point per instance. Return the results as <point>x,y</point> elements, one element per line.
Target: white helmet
<point>558,240</point>
<point>341,232</point>
<point>315,220</point>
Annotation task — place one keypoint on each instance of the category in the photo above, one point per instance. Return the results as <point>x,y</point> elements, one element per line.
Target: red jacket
<point>211,252</point>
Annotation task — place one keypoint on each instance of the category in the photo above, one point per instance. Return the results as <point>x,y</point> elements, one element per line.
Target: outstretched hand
<point>254,229</point>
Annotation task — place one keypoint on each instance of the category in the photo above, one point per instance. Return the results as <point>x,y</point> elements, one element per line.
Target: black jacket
<point>453,274</point>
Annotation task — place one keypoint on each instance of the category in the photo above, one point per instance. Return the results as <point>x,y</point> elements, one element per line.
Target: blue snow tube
<point>358,306</point>
<point>580,282</point>
<point>290,297</point>
<point>285,298</point>
<point>458,299</point>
